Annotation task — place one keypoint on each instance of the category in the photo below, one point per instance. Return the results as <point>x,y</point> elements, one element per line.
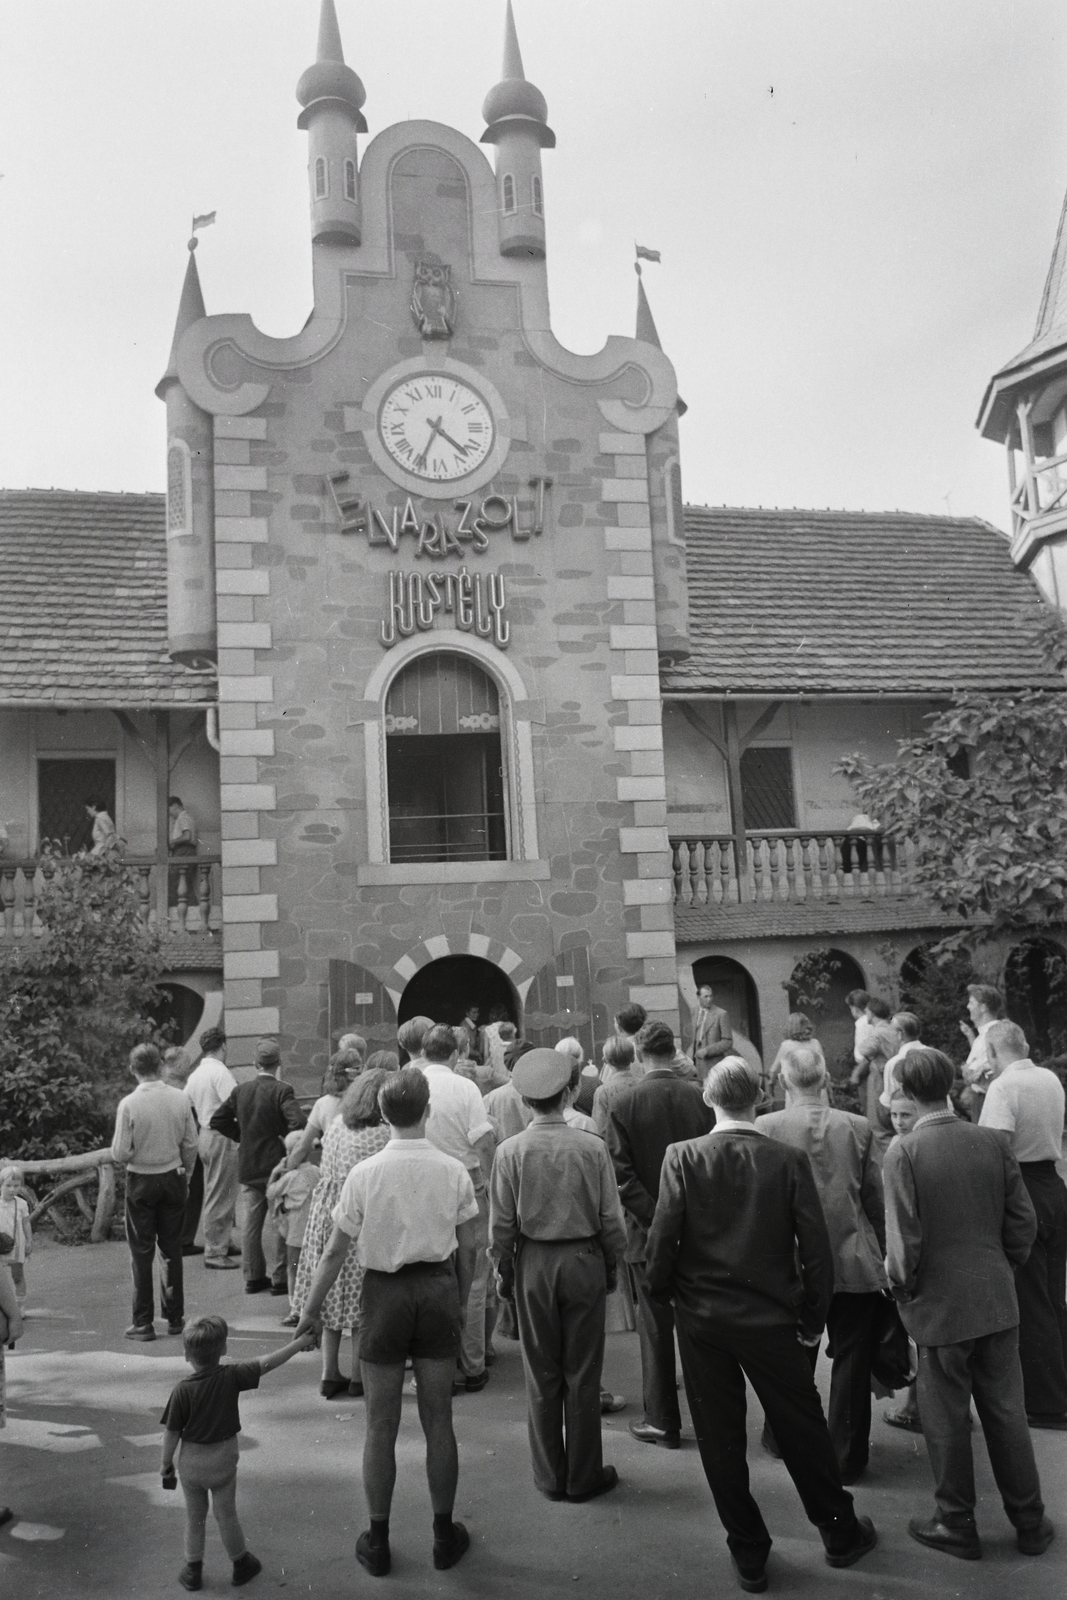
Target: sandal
<point>908,1420</point>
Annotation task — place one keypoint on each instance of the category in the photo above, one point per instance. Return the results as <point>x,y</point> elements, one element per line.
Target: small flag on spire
<point>208,218</point>
<point>643,253</point>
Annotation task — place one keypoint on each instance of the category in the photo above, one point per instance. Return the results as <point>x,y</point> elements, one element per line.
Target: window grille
<point>177,503</point>
<point>767,787</point>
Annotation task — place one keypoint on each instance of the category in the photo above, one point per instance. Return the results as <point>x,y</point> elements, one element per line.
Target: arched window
<point>509,194</point>
<point>444,765</point>
<point>320,177</point>
<point>350,180</point>
<point>538,197</point>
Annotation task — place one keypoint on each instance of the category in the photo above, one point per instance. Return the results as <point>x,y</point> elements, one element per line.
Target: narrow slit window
<point>538,197</point>
<point>509,194</point>
<point>320,178</point>
<point>350,180</point>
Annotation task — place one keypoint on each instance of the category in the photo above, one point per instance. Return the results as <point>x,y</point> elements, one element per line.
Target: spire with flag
<point>643,253</point>
<point>205,220</point>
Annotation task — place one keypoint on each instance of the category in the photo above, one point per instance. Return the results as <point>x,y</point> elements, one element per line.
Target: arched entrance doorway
<point>444,988</point>
<point>1035,991</point>
<point>734,991</point>
<point>817,986</point>
<point>179,1012</point>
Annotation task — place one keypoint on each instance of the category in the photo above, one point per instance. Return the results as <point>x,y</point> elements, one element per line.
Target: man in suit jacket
<point>841,1149</point>
<point>713,1037</point>
<point>739,1243</point>
<point>645,1118</point>
<point>958,1220</point>
<point>258,1115</point>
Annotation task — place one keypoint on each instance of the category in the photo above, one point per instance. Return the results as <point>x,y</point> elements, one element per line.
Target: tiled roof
<point>812,919</point>
<point>83,602</point>
<point>857,603</point>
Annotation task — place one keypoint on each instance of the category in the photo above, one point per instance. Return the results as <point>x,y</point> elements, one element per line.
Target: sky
<point>855,202</point>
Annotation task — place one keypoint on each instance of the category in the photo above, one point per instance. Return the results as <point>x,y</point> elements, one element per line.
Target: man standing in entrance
<point>558,1234</point>
<point>659,1110</point>
<point>1026,1102</point>
<point>155,1139</point>
<point>257,1116</point>
<point>210,1084</point>
<point>713,1038</point>
<point>409,1210</point>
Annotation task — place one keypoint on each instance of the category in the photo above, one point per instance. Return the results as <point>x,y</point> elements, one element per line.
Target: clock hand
<point>462,448</point>
<point>420,461</point>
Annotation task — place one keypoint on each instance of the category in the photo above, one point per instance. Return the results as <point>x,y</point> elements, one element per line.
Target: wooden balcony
<point>796,867</point>
<point>181,897</point>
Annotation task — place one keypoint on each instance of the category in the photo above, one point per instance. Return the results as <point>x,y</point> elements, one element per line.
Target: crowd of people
<point>488,1189</point>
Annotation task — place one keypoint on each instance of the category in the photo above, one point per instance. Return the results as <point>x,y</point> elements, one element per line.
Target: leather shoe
<point>256,1285</point>
<point>446,1552</point>
<point>470,1385</point>
<point>233,1249</point>
<point>608,1480</point>
<point>957,1539</point>
<point>143,1331</point>
<point>610,1403</point>
<point>279,1288</point>
<point>375,1559</point>
<point>1035,1541</point>
<point>667,1439</point>
<point>176,1328</point>
<point>753,1580</point>
<point>863,1539</point>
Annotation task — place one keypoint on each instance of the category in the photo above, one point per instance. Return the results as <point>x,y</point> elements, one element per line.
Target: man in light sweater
<point>155,1139</point>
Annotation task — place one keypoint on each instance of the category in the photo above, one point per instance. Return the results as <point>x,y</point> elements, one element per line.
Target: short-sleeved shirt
<point>404,1205</point>
<point>457,1114</point>
<point>204,1408</point>
<point>208,1085</point>
<point>1027,1102</point>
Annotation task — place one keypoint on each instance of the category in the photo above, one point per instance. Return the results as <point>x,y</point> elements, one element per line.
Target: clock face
<point>436,427</point>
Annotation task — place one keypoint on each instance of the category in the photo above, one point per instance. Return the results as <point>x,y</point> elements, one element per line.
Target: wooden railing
<point>792,866</point>
<point>182,896</point>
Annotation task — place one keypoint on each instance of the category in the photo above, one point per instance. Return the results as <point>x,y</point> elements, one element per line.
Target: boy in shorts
<point>202,1413</point>
<point>411,1214</point>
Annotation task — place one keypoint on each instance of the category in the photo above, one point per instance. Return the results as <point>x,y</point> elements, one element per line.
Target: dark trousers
<point>989,1369</point>
<point>655,1331</point>
<point>715,1364</point>
<point>1039,1285</point>
<point>193,1205</point>
<point>155,1211</point>
<point>850,1344</point>
<point>560,1289</point>
<point>260,1238</point>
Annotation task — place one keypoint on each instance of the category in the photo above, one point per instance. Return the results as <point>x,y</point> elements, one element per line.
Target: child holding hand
<point>289,1192</point>
<point>202,1414</point>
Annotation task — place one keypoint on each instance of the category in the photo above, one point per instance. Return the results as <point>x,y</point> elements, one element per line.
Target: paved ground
<point>79,1465</point>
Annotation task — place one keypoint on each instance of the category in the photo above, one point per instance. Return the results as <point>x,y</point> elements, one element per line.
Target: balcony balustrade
<point>791,866</point>
<point>180,897</point>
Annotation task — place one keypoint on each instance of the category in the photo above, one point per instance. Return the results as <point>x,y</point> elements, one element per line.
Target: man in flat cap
<point>557,1235</point>
<point>257,1116</point>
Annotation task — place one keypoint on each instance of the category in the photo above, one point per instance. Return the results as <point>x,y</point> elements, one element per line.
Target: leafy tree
<point>73,1003</point>
<point>983,794</point>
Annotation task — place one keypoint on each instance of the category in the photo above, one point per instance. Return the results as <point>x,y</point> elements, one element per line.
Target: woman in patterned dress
<point>356,1132</point>
<point>10,1330</point>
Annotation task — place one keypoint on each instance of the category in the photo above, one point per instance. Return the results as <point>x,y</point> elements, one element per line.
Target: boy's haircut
<point>439,1044</point>
<point>619,1052</point>
<point>899,1092</point>
<point>632,1018</point>
<point>145,1061</point>
<point>410,1034</point>
<point>907,1024</point>
<point>506,1032</point>
<point>657,1040</point>
<point>353,1041</point>
<point>987,996</point>
<point>732,1085</point>
<point>803,1067</point>
<point>1007,1036</point>
<point>926,1075</point>
<point>174,800</point>
<point>858,999</point>
<point>359,1108</point>
<point>204,1339</point>
<point>382,1061</point>
<point>404,1097</point>
<point>879,1009</point>
<point>212,1039</point>
<point>7,1244</point>
<point>570,1046</point>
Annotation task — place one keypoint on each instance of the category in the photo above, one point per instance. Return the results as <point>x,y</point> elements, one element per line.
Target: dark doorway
<point>1035,990</point>
<point>178,1013</point>
<point>735,991</point>
<point>63,790</point>
<point>817,986</point>
<point>443,989</point>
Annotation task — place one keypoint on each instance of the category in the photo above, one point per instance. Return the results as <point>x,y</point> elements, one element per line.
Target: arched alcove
<point>735,991</point>
<point>179,1012</point>
<point>1035,992</point>
<point>444,988</point>
<point>817,986</point>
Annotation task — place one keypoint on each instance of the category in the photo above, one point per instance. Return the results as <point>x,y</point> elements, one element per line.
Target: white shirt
<point>891,1076</point>
<point>457,1114</point>
<point>207,1086</point>
<point>864,1027</point>
<point>978,1069</point>
<point>1027,1101</point>
<point>725,1124</point>
<point>322,1113</point>
<point>405,1203</point>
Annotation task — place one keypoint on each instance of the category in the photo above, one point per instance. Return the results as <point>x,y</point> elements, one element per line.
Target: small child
<point>202,1413</point>
<point>289,1192</point>
<point>15,1222</point>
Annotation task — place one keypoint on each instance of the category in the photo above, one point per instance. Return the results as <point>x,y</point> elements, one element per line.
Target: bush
<point>72,1005</point>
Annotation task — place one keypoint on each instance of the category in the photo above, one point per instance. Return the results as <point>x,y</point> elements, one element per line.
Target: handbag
<point>891,1362</point>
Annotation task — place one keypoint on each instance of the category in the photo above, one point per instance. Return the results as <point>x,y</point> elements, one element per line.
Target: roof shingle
<point>83,602</point>
<point>856,603</point>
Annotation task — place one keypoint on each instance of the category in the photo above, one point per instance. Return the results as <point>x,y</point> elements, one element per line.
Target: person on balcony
<point>103,827</point>
<point>182,834</point>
